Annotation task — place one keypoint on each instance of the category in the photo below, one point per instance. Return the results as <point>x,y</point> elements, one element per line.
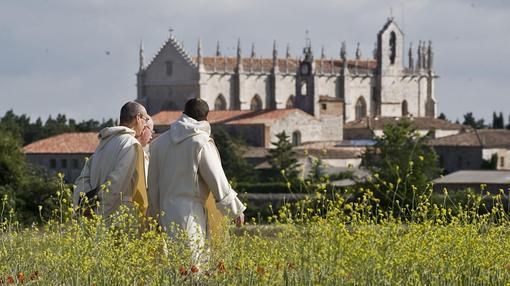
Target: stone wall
<point>454,158</point>
<point>68,164</point>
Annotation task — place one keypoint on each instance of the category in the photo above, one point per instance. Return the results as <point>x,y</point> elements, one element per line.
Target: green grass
<point>317,242</point>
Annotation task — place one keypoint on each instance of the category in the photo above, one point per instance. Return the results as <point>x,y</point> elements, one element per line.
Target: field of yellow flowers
<point>324,240</point>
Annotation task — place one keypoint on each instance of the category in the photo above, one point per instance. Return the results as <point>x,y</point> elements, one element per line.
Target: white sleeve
<point>211,171</point>
<point>152,183</point>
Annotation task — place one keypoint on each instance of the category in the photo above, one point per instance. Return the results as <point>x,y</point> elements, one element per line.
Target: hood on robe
<point>106,134</point>
<point>186,127</point>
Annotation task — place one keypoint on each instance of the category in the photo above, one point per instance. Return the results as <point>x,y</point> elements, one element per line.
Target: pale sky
<point>80,57</point>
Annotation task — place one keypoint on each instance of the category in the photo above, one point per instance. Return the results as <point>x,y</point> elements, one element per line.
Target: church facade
<point>381,86</point>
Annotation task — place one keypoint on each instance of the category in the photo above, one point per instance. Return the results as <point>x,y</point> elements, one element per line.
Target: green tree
<point>442,116</point>
<point>402,166</point>
<point>231,151</point>
<point>470,120</point>
<point>26,187</point>
<point>498,121</point>
<point>20,126</point>
<point>491,164</point>
<point>283,158</point>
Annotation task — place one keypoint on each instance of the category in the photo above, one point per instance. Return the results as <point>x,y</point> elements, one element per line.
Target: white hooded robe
<point>185,166</point>
<point>114,164</point>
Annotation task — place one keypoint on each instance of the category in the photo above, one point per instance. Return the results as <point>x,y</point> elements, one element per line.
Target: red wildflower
<point>194,269</point>
<point>10,280</point>
<point>183,271</point>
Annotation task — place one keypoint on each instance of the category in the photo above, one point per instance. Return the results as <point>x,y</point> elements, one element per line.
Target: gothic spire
<point>424,57</point>
<point>253,50</point>
<point>275,52</point>
<point>343,52</point>
<point>275,57</point>
<point>430,56</point>
<point>419,61</point>
<point>218,51</point>
<point>287,52</point>
<point>323,56</point>
<point>199,54</point>
<point>199,49</point>
<point>358,52</point>
<point>239,60</point>
<point>238,49</point>
<point>411,60</point>
<point>140,54</point>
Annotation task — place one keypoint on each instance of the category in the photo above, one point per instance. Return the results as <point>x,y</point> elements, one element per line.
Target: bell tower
<point>305,83</point>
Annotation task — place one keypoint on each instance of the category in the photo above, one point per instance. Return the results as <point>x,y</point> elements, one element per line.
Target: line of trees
<point>22,127</point>
<point>498,121</point>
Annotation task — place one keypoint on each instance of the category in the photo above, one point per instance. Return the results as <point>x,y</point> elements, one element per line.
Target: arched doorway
<point>405,110</point>
<point>220,103</point>
<point>290,102</point>
<point>256,103</point>
<point>361,108</point>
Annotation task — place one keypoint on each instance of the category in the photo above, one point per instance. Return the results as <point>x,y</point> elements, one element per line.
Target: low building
<point>64,153</point>
<point>487,180</point>
<point>367,128</point>
<point>472,150</point>
<point>259,128</point>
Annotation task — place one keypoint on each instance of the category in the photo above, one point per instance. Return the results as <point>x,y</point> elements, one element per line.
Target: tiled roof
<point>326,98</point>
<point>67,143</point>
<point>475,177</point>
<point>232,116</point>
<point>332,153</point>
<point>215,116</point>
<point>421,123</point>
<point>266,64</point>
<point>486,138</point>
<point>265,116</point>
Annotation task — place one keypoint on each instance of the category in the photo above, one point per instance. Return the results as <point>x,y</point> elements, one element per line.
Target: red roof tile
<point>67,143</point>
<point>215,116</point>
<point>231,116</point>
<point>486,138</point>
<point>266,116</point>
<point>266,64</point>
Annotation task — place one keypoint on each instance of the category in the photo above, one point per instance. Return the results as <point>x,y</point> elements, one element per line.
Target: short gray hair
<point>129,111</point>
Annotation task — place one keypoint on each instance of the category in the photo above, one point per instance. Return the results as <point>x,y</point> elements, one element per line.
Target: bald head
<point>129,111</point>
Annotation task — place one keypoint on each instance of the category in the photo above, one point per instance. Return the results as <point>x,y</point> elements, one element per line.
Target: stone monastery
<point>393,83</point>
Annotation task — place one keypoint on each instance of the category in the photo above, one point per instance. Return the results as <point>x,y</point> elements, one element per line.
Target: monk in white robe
<point>185,169</point>
<point>118,165</point>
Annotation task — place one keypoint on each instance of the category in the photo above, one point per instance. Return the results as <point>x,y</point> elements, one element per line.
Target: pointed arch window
<point>304,90</point>
<point>405,110</point>
<point>290,102</point>
<point>361,108</point>
<point>220,103</point>
<point>393,47</point>
<point>296,138</point>
<point>256,103</point>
